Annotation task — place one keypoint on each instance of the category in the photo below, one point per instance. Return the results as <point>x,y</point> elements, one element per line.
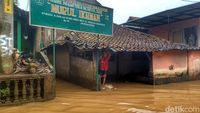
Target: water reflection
<point>127,98</point>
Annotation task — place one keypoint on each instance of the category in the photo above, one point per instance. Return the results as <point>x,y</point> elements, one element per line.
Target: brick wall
<point>74,69</point>
<point>83,72</point>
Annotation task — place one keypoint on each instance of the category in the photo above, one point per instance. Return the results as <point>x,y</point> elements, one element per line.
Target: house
<point>136,56</point>
<point>179,25</point>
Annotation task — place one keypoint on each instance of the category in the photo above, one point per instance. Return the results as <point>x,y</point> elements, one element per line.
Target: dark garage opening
<point>129,67</point>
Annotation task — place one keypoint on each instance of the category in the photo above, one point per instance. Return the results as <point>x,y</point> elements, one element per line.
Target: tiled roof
<point>123,39</point>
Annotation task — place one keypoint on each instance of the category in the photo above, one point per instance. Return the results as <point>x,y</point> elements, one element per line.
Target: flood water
<point>126,98</point>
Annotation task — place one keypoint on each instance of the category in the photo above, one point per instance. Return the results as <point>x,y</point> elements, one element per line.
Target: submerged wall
<point>157,67</point>
<point>169,63</point>
<point>73,68</point>
<point>169,66</point>
<point>194,64</point>
<point>83,72</point>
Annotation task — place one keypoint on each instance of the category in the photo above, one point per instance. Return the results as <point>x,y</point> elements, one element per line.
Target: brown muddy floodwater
<point>127,98</point>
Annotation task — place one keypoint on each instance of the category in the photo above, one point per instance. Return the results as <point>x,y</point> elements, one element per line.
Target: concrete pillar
<point>6,35</point>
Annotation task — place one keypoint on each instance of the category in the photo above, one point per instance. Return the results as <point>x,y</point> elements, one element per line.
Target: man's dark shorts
<point>102,72</point>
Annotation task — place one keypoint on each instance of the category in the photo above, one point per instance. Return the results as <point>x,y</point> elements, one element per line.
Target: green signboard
<point>72,15</point>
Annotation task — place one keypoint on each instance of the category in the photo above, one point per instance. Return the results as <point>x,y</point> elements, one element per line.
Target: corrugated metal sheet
<point>166,17</point>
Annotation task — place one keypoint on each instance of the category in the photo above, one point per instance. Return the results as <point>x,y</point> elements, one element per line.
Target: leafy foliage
<point>4,92</point>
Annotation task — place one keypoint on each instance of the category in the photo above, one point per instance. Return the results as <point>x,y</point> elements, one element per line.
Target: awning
<point>168,16</point>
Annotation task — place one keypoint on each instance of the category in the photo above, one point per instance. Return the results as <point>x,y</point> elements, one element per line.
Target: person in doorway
<point>104,61</point>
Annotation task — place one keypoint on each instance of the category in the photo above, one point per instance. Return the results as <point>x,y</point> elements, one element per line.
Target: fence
<point>18,89</point>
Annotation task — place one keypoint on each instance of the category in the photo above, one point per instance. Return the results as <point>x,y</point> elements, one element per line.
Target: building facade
<point>187,32</point>
<point>136,56</point>
<point>179,25</point>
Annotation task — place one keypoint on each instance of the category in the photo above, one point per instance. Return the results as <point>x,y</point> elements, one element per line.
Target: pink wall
<point>194,63</point>
<point>169,63</point>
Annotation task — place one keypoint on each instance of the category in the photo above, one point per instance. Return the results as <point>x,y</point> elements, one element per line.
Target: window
<point>190,36</point>
<point>186,35</point>
<point>177,36</point>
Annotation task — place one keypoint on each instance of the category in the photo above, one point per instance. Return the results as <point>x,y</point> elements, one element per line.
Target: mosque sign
<point>75,15</point>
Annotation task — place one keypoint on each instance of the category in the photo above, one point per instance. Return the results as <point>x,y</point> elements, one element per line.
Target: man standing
<point>104,61</point>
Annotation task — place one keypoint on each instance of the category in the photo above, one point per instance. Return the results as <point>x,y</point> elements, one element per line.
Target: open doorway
<point>130,67</point>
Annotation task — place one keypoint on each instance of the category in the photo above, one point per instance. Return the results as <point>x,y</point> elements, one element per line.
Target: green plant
<point>4,92</point>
